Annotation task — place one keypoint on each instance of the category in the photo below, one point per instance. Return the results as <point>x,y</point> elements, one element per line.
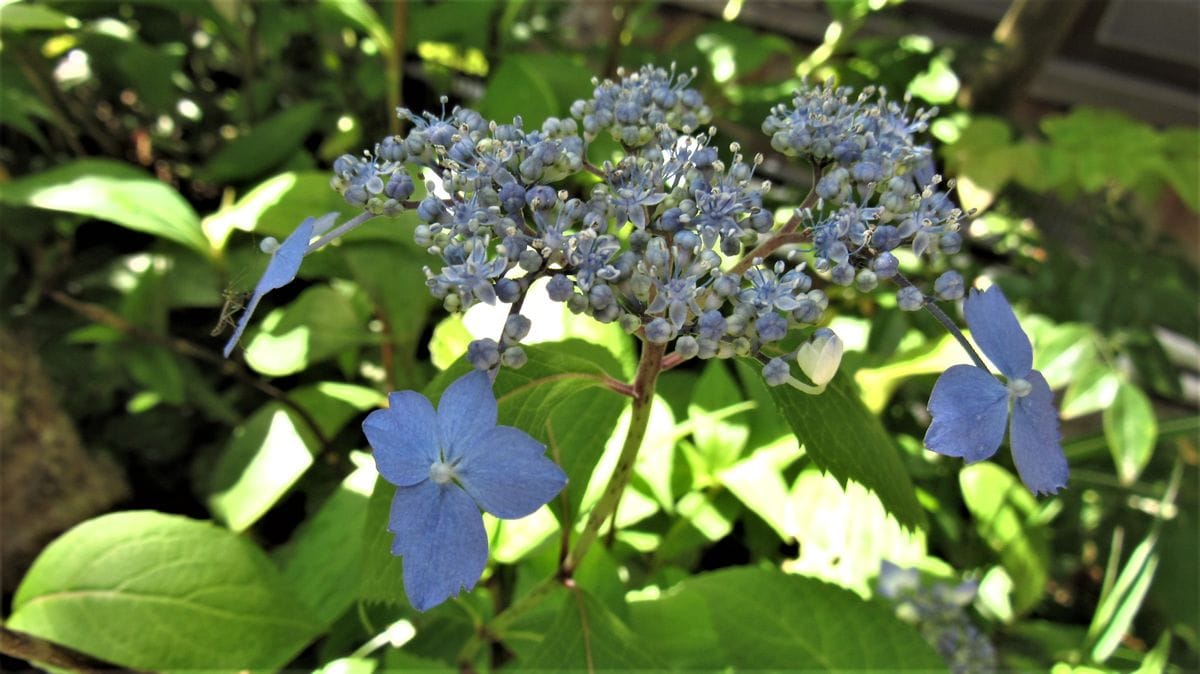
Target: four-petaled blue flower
<point>970,406</point>
<point>282,269</point>
<point>447,466</point>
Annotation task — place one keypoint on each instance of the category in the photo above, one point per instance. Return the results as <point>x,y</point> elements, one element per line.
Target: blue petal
<point>404,438</point>
<point>467,409</point>
<point>997,332</point>
<point>507,473</point>
<point>969,408</point>
<point>281,270</point>
<point>440,536</point>
<point>1035,439</point>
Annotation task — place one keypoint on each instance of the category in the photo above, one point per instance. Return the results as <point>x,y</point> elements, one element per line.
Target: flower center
<point>1019,388</point>
<point>441,472</point>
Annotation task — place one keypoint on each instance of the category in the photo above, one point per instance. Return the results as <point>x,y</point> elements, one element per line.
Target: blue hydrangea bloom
<point>447,466</point>
<point>282,269</point>
<point>970,406</point>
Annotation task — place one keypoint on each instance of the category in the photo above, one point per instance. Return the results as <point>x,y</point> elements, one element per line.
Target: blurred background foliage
<point>148,146</point>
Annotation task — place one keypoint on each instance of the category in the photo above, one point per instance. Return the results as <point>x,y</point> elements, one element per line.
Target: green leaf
<point>111,191</point>
<point>587,636</point>
<point>261,462</point>
<point>361,16</point>
<point>757,481</point>
<point>765,619</point>
<point>1091,389</point>
<point>658,623</point>
<point>265,147</point>
<point>1061,349</point>
<point>382,577</point>
<point>1131,431</point>
<point>324,558</point>
<point>575,437</point>
<point>19,17</point>
<point>1005,517</point>
<point>534,88</point>
<point>322,323</point>
<point>158,592</point>
<point>350,666</point>
<point>845,439</point>
<point>719,440</point>
<point>332,404</point>
<point>1157,658</point>
<point>276,206</point>
<point>845,533</point>
<point>1120,605</point>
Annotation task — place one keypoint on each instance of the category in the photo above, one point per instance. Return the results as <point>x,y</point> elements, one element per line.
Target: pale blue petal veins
<point>997,332</point>
<point>441,539</point>
<point>507,473</point>
<point>970,410</point>
<point>404,437</point>
<point>281,270</point>
<point>467,409</point>
<point>1035,439</point>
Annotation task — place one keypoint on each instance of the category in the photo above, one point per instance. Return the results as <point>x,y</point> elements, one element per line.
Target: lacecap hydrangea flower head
<point>447,466</point>
<point>971,407</point>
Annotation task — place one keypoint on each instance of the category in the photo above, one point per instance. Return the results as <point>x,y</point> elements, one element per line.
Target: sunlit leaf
<point>845,533</point>
<point>1131,431</point>
<point>841,436</point>
<point>160,592</point>
<point>111,191</point>
<point>1004,513</point>
<point>322,323</point>
<point>261,462</point>
<point>809,626</point>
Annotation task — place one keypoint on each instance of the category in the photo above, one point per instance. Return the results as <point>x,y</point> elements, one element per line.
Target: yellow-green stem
<point>643,395</point>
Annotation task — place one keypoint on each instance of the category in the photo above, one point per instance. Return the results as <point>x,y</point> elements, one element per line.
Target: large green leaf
<point>322,323</point>
<point>261,462</point>
<point>265,147</point>
<point>575,437</point>
<point>765,619</point>
<point>112,191</point>
<point>19,17</point>
<point>845,534</point>
<point>587,636</point>
<point>543,87</point>
<point>842,437</point>
<point>324,558</point>
<point>1004,512</point>
<point>160,592</point>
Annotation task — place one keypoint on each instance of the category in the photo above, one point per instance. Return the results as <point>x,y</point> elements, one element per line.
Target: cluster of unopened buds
<point>671,241</point>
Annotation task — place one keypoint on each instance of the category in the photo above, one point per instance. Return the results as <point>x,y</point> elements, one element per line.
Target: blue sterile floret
<point>971,407</point>
<point>447,466</point>
<point>282,269</point>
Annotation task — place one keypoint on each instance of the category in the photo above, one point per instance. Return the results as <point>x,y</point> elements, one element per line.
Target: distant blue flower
<point>282,269</point>
<point>970,406</point>
<point>447,466</point>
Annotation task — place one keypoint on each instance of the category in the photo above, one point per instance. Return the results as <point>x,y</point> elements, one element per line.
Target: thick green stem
<point>643,396</point>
